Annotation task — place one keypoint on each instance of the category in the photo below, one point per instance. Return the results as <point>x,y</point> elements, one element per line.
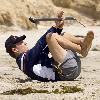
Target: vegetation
<point>64,89</point>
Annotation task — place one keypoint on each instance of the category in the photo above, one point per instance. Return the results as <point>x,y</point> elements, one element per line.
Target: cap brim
<point>20,39</point>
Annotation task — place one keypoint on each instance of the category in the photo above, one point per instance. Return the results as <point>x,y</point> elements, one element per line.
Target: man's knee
<point>49,36</point>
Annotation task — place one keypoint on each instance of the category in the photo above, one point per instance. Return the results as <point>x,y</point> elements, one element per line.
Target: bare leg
<point>67,44</point>
<point>76,40</point>
<point>55,49</point>
<point>85,43</point>
<point>57,45</point>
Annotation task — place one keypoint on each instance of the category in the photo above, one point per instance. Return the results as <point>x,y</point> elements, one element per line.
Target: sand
<point>89,80</point>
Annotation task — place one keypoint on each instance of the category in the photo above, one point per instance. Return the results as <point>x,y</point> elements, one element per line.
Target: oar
<point>37,20</point>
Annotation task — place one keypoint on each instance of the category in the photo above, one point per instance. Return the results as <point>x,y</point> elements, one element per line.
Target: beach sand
<point>89,80</point>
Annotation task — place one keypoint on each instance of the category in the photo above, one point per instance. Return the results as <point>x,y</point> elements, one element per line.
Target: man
<point>36,63</point>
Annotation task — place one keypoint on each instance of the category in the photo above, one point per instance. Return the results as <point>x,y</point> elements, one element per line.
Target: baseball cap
<point>11,41</point>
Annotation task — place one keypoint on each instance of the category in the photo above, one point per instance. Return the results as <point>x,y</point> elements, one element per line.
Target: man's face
<point>21,47</point>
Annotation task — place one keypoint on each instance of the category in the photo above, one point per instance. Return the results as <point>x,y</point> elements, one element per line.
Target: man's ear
<point>14,50</point>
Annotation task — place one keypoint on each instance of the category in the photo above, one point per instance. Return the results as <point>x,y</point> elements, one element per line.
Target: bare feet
<point>86,45</point>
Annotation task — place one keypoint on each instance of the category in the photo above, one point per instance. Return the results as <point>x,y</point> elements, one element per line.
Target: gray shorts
<point>71,67</point>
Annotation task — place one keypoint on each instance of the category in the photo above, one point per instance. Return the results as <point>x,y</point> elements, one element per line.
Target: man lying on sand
<point>36,63</point>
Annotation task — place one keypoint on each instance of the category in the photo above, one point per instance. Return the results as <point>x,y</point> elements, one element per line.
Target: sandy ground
<point>89,80</point>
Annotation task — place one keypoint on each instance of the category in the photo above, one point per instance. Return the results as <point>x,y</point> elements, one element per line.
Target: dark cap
<point>11,41</point>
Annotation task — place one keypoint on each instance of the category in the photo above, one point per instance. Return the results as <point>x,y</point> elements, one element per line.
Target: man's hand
<point>60,24</point>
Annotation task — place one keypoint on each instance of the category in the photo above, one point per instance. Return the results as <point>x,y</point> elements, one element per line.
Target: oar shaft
<point>35,20</point>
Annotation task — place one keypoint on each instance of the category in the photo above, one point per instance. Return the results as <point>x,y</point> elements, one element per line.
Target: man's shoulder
<point>21,60</point>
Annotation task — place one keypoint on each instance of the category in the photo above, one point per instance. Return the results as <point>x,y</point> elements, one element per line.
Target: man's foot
<point>86,45</point>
